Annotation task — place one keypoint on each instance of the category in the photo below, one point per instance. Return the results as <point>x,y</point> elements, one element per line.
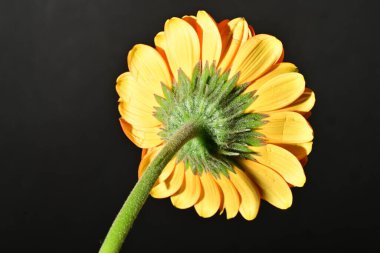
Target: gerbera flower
<point>220,117</point>
<point>249,107</point>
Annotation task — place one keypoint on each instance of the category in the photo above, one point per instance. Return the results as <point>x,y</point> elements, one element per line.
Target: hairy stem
<point>139,194</point>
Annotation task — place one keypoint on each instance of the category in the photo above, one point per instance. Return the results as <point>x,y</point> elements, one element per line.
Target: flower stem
<point>139,194</point>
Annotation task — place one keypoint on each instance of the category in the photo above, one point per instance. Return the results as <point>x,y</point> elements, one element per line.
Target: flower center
<point>217,105</point>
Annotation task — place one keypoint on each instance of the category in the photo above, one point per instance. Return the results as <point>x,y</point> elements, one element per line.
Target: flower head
<point>249,105</point>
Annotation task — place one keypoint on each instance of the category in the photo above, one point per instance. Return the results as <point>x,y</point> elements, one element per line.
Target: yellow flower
<point>251,107</point>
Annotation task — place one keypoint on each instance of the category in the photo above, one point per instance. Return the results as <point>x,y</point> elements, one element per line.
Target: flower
<point>251,108</point>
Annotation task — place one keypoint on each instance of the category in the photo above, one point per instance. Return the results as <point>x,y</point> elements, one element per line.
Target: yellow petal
<point>135,103</point>
<point>299,150</point>
<point>303,104</point>
<point>273,187</point>
<point>233,34</point>
<point>137,87</point>
<point>141,137</point>
<point>129,89</point>
<point>132,113</point>
<point>255,57</point>
<point>275,70</point>
<point>148,68</point>
<point>249,194</point>
<point>282,161</point>
<point>160,42</point>
<point>231,199</point>
<point>182,44</point>
<point>210,199</point>
<point>278,92</point>
<point>286,127</point>
<point>211,42</point>
<point>189,192</point>
<point>171,185</point>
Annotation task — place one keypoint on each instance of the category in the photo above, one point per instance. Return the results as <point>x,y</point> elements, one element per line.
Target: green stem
<point>136,199</point>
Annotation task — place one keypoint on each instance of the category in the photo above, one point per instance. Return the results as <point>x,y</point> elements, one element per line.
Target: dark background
<point>66,167</point>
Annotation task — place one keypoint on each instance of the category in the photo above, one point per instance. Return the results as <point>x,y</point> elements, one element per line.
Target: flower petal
<point>255,57</point>
<point>286,127</point>
<point>182,44</point>
<point>160,42</point>
<point>148,68</point>
<point>135,103</point>
<point>210,199</point>
<point>137,88</point>
<point>249,194</point>
<point>189,192</point>
<point>233,34</point>
<point>303,104</point>
<point>278,92</point>
<point>141,137</point>
<point>231,199</point>
<point>275,70</point>
<point>282,161</point>
<point>299,150</point>
<point>273,187</point>
<point>132,113</point>
<point>171,185</point>
<point>209,35</point>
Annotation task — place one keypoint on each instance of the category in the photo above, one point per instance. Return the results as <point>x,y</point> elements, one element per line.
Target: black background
<point>66,167</point>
